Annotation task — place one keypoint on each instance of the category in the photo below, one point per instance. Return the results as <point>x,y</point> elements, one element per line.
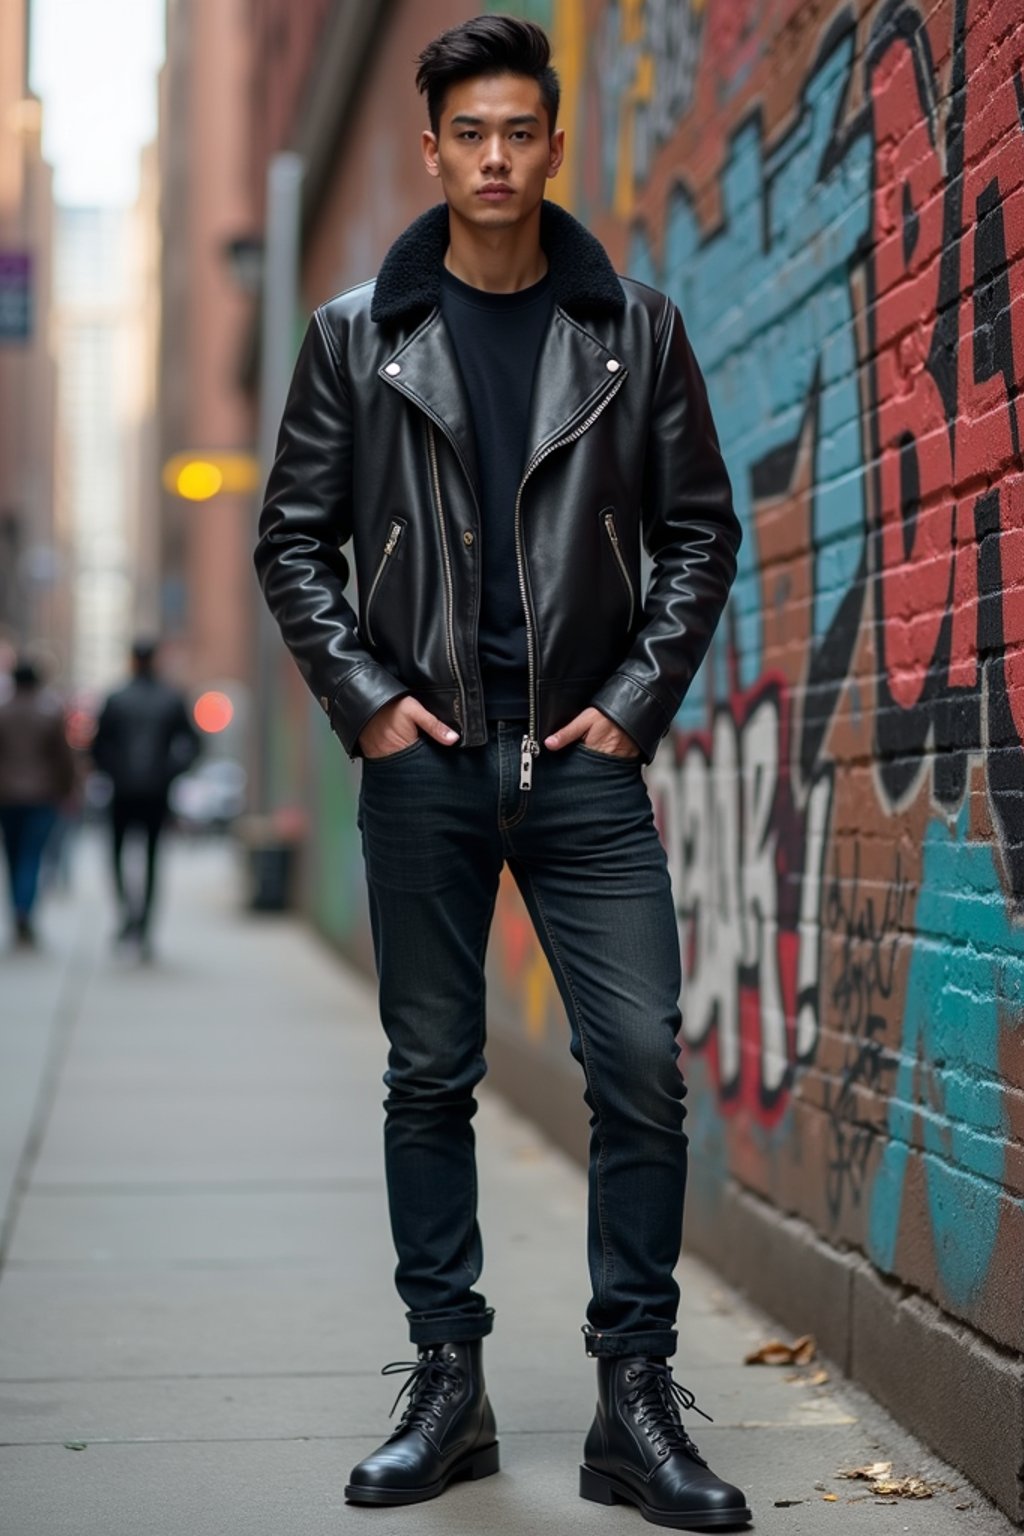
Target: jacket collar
<point>409,281</point>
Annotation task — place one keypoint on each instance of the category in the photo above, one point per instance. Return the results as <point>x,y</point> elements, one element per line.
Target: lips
<point>495,193</point>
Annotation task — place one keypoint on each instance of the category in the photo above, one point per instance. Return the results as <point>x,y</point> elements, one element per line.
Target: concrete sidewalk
<point>195,1299</point>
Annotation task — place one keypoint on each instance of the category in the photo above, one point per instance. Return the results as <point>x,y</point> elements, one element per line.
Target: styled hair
<point>487,45</point>
<point>26,674</point>
<point>144,651</point>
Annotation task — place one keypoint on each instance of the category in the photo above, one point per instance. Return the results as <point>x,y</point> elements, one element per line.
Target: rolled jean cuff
<point>449,1328</point>
<point>658,1341</point>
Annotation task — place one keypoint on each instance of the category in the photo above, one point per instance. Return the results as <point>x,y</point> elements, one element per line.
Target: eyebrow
<point>475,122</point>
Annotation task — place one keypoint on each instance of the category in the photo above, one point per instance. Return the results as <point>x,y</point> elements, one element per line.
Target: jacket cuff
<point>636,710</point>
<point>357,700</point>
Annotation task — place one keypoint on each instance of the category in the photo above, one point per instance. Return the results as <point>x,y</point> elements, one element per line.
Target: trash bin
<point>272,847</point>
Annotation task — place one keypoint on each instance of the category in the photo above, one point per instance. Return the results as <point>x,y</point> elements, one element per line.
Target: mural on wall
<point>835,198</point>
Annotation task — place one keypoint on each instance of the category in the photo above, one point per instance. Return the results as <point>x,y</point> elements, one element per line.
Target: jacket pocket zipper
<point>608,518</point>
<point>390,545</point>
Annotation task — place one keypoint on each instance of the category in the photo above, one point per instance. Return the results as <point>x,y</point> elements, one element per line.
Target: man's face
<point>494,151</point>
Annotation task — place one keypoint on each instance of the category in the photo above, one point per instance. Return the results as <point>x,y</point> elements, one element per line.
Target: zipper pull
<point>394,533</point>
<point>527,752</point>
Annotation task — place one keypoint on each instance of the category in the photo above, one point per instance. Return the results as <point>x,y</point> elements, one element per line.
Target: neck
<point>496,260</point>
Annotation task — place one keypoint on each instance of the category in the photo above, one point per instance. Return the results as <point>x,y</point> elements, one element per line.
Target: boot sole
<point>477,1464</point>
<point>602,1489</point>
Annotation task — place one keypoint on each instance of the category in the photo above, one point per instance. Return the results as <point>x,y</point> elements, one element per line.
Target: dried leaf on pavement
<point>869,1473</point>
<point>879,1475</point>
<point>777,1352</point>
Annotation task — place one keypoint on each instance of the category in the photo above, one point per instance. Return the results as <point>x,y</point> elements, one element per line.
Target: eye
<point>468,133</point>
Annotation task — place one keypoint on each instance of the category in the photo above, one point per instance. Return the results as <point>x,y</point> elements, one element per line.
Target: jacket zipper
<point>530,746</point>
<point>613,534</point>
<point>453,660</point>
<point>391,544</point>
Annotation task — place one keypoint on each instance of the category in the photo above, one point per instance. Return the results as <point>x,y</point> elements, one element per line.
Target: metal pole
<point>277,356</point>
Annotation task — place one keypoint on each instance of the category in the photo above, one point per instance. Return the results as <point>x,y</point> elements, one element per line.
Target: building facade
<point>207,593</point>
<point>34,602</point>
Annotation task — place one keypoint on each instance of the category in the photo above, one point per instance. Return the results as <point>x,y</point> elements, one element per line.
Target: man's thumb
<point>435,727</point>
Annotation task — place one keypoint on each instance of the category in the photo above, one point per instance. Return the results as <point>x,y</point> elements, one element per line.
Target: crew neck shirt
<point>497,339</point>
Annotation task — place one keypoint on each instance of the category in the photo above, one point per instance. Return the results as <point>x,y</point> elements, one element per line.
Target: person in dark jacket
<point>36,775</point>
<point>497,425</point>
<point>144,740</point>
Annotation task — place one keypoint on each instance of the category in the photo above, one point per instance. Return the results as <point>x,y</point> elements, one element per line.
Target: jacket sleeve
<point>63,757</point>
<point>692,535</point>
<point>101,748</point>
<point>185,742</point>
<point>305,523</point>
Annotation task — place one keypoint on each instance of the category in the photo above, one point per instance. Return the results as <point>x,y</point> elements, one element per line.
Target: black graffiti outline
<point>865,981</point>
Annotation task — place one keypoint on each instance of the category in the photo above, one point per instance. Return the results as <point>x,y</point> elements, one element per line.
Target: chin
<point>496,216</point>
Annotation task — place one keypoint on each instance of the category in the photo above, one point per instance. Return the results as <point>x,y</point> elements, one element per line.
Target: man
<point>144,739</point>
<point>495,424</point>
<point>36,775</point>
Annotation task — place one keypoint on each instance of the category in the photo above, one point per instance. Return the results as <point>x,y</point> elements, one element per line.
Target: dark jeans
<point>25,831</point>
<point>145,815</point>
<point>438,824</point>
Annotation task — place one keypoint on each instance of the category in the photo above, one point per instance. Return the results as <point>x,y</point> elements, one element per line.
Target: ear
<point>428,144</point>
<point>556,153</point>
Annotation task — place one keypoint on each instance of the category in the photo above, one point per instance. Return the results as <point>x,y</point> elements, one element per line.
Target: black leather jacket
<point>376,446</point>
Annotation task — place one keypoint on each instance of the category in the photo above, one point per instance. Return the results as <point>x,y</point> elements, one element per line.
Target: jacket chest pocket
<point>396,528</point>
<point>612,535</point>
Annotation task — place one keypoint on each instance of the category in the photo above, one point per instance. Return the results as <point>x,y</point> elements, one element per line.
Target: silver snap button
<point>324,705</point>
<point>613,365</point>
<point>467,538</point>
<point>395,368</point>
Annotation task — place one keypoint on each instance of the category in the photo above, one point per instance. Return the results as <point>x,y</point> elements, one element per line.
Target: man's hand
<point>598,732</point>
<point>398,725</point>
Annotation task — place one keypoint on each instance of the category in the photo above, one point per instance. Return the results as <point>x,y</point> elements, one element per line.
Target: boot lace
<point>432,1382</point>
<point>657,1400</point>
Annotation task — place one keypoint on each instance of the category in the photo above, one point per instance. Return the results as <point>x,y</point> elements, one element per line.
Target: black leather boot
<point>447,1430</point>
<point>637,1451</point>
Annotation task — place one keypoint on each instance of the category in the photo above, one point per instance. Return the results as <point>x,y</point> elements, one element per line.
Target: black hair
<point>25,674</point>
<point>144,650</point>
<point>487,45</point>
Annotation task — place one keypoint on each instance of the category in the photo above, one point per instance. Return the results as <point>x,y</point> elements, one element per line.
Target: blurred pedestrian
<point>36,776</point>
<point>498,424</point>
<point>144,739</point>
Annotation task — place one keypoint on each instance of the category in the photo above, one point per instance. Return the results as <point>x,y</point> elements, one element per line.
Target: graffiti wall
<point>834,195</point>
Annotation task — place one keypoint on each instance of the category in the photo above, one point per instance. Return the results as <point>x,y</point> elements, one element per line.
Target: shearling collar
<point>409,280</point>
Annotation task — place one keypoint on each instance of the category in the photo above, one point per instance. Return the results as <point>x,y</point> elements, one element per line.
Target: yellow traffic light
<point>199,476</point>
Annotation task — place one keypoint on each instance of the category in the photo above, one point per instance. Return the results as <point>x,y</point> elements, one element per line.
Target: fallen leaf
<point>876,1469</point>
<point>777,1352</point>
<point>830,1498</point>
<point>818,1379</point>
<point>879,1475</point>
<point>787,1503</point>
<point>903,1488</point>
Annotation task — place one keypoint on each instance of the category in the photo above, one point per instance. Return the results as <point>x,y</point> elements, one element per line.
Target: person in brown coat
<point>36,774</point>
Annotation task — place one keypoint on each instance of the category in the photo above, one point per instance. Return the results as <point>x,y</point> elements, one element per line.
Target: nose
<point>495,160</point>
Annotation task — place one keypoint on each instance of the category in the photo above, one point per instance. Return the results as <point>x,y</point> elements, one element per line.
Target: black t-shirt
<point>497,339</point>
